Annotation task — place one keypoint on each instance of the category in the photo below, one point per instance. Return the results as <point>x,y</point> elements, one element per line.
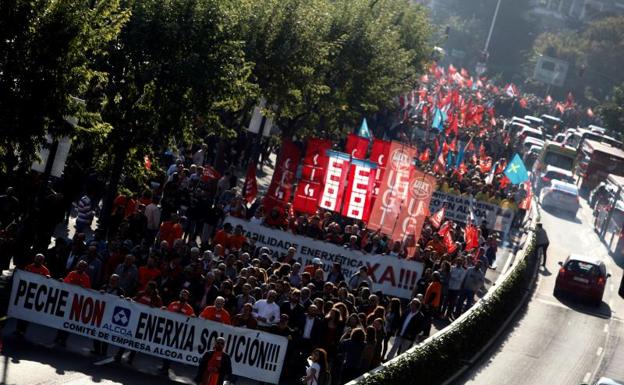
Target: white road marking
<point>606,328</point>
<point>586,378</point>
<point>599,351</point>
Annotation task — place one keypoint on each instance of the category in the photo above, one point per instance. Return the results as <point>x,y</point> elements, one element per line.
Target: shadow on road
<point>582,306</point>
<point>561,214</point>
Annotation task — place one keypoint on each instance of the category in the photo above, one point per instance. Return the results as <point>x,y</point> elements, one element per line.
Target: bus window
<point>559,160</point>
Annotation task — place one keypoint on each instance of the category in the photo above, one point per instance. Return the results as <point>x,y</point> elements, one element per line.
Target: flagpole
<point>489,36</point>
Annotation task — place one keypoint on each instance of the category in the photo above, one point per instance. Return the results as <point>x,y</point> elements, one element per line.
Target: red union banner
<point>361,183</point>
<point>315,161</point>
<point>356,146</point>
<point>416,207</point>
<point>393,189</point>
<point>307,197</point>
<point>337,169</point>
<point>250,187</point>
<point>280,190</point>
<point>379,155</point>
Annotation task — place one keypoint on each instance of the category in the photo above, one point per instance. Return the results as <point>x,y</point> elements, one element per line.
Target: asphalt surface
<point>561,341</point>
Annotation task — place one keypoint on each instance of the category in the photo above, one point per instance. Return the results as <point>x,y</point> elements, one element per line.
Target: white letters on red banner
<point>393,276</point>
<point>415,207</point>
<point>359,192</point>
<point>337,169</point>
<point>393,190</point>
<point>173,336</point>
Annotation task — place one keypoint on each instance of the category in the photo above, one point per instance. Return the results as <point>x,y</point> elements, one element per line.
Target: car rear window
<point>582,267</point>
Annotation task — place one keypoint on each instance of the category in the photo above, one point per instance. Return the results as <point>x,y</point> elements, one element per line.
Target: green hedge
<point>438,359</point>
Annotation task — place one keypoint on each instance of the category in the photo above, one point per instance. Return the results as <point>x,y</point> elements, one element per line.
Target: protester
<point>215,367</point>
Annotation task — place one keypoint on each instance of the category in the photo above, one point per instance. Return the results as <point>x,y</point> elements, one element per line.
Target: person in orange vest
<point>37,267</point>
<point>215,366</point>
<point>180,306</point>
<point>77,277</point>
<point>217,313</point>
<point>433,295</point>
<point>316,264</point>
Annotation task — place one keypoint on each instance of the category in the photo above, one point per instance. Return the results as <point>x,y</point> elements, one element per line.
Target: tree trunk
<point>119,159</point>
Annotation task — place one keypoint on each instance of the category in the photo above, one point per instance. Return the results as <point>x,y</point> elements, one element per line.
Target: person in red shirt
<point>222,236</point>
<point>182,305</point>
<point>37,267</point>
<point>236,240</point>
<point>77,277</point>
<point>171,230</point>
<point>148,273</point>
<point>217,313</point>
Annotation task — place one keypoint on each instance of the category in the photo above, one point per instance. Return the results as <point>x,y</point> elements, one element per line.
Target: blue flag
<point>516,171</point>
<point>438,120</point>
<point>364,132</point>
<point>460,155</point>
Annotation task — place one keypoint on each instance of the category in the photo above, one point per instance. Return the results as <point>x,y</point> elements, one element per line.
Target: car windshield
<point>559,176</point>
<point>559,160</point>
<point>582,267</point>
<point>566,188</point>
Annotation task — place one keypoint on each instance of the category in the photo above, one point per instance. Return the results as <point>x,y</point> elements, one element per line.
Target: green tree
<point>612,111</point>
<point>175,69</point>
<point>46,53</point>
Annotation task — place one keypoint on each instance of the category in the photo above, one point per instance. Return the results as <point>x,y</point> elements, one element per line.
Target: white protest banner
<point>391,275</point>
<point>458,209</point>
<point>35,298</point>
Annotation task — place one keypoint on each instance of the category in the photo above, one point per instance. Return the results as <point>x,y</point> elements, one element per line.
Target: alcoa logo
<point>420,189</point>
<point>121,316</point>
<point>400,160</point>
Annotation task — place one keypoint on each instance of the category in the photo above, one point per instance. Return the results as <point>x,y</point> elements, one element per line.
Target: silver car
<point>561,195</point>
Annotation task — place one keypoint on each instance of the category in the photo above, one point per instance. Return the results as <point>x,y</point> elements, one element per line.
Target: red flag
<point>148,163</point>
<point>436,145</point>
<point>280,189</point>
<point>315,160</point>
<point>424,79</point>
<point>452,69</point>
<point>463,168</point>
<point>523,103</point>
<point>590,113</point>
<point>464,73</point>
<point>445,228</point>
<point>379,155</point>
<point>415,206</point>
<point>307,197</point>
<point>450,244</point>
<point>453,125</point>
<point>335,177</point>
<point>471,237</point>
<point>445,148</point>
<point>437,218</point>
<point>548,99</point>
<point>504,182</point>
<point>500,167</point>
<point>250,188</point>
<point>356,146</point>
<point>424,157</point>
<point>440,164</point>
<point>359,191</point>
<point>210,173</point>
<point>393,188</point>
<point>569,100</point>
<point>453,145</point>
<point>559,107</point>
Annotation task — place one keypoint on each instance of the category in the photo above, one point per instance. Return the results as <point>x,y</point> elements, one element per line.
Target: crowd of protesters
<point>168,247</point>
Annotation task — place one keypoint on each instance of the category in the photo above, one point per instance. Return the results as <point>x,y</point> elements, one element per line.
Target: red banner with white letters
<point>358,197</point>
<point>280,190</point>
<point>356,146</point>
<point>337,170</point>
<point>315,160</point>
<point>415,207</point>
<point>393,189</point>
<point>307,197</point>
<point>312,176</point>
<point>379,155</point>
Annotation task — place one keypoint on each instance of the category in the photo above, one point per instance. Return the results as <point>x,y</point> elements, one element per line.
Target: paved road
<point>561,342</point>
